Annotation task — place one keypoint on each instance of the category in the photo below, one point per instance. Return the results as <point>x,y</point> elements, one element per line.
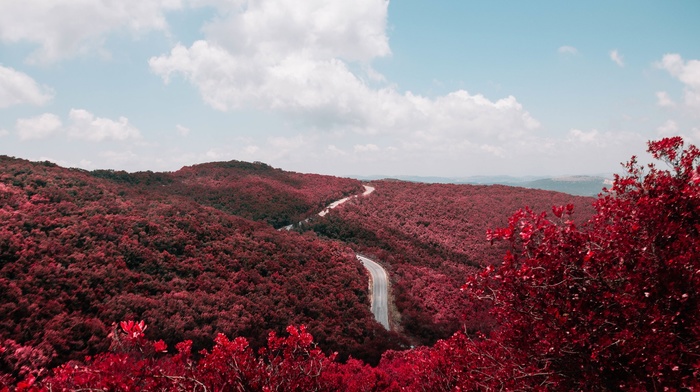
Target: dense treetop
<point>78,253</point>
<point>612,303</point>
<point>430,237</point>
<point>250,190</point>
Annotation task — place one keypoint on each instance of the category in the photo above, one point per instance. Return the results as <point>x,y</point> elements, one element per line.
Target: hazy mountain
<point>574,185</point>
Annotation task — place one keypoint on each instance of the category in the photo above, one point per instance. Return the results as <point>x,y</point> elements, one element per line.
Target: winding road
<point>379,282</point>
<point>368,190</point>
<point>380,293</point>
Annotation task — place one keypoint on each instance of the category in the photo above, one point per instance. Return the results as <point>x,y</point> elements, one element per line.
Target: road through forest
<point>380,292</point>
<point>380,281</point>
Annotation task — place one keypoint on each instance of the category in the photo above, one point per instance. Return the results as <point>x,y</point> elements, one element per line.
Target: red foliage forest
<point>254,191</point>
<point>610,304</point>
<point>430,237</point>
<point>78,253</point>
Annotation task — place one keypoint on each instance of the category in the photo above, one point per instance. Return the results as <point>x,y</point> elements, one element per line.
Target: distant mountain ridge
<point>578,185</point>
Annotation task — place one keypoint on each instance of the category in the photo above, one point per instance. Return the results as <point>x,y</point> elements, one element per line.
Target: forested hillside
<point>430,237</point>
<point>79,253</point>
<point>250,190</point>
<point>165,294</point>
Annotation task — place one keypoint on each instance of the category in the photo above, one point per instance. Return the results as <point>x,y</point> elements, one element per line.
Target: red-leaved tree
<point>613,305</point>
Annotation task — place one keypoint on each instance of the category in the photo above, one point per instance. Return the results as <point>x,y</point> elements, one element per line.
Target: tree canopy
<point>611,304</point>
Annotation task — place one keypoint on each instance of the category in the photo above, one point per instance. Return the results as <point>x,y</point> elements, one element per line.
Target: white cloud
<point>63,28</point>
<point>297,59</point>
<point>117,158</point>
<point>85,126</point>
<point>216,155</point>
<point>688,73</point>
<point>580,136</point>
<point>85,163</point>
<point>669,128</point>
<point>335,151</point>
<point>672,128</point>
<point>566,49</point>
<point>595,142</point>
<point>251,149</point>
<point>271,30</point>
<point>4,132</point>
<point>38,127</point>
<point>182,130</point>
<point>616,57</point>
<point>663,100</point>
<point>285,147</point>
<point>366,148</point>
<point>695,135</point>
<point>19,88</point>
<point>495,150</point>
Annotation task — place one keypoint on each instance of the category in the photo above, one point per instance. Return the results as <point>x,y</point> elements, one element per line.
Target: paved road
<point>380,293</point>
<point>368,190</point>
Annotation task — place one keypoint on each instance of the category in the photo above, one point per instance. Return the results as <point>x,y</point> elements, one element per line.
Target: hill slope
<point>430,237</point>
<point>250,190</point>
<point>78,253</point>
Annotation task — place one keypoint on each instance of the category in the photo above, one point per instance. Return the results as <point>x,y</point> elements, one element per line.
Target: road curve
<point>368,190</point>
<point>380,293</point>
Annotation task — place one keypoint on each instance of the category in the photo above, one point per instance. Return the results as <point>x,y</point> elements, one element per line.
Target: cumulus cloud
<point>19,88</point>
<point>663,100</point>
<point>85,126</point>
<point>617,58</point>
<point>38,127</point>
<point>597,142</point>
<point>566,49</point>
<point>583,136</point>
<point>118,157</point>
<point>182,130</point>
<point>45,23</point>
<point>366,147</point>
<point>495,150</point>
<point>669,128</point>
<point>688,73</point>
<point>672,128</point>
<point>271,30</point>
<point>289,147</point>
<point>335,151</point>
<point>310,62</point>
<point>251,149</point>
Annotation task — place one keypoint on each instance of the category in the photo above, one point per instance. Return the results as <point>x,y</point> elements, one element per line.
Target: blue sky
<point>361,87</point>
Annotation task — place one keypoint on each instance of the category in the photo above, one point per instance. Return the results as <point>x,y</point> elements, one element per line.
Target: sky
<point>447,88</point>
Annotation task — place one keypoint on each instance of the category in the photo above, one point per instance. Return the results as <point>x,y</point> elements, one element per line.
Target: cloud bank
<point>65,28</point>
<point>82,125</point>
<point>688,73</point>
<point>19,88</point>
<point>311,62</point>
